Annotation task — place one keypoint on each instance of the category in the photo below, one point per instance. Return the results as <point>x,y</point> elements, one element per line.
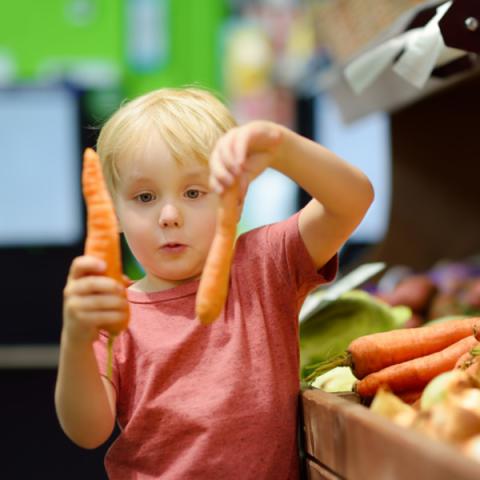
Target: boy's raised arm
<point>341,194</point>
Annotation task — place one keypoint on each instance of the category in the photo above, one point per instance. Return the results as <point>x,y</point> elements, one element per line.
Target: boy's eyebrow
<point>196,173</point>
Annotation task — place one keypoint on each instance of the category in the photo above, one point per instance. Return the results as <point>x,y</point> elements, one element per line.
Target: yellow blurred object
<point>248,60</point>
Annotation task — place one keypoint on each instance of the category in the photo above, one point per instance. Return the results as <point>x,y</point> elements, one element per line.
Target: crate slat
<point>357,444</point>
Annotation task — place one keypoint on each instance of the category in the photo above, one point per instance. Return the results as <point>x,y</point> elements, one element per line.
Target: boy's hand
<point>243,153</point>
<point>92,301</point>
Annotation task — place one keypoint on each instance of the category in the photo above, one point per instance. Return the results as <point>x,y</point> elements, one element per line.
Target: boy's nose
<point>170,216</point>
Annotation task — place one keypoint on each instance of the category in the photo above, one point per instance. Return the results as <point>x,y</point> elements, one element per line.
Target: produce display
<point>422,373</point>
<point>328,332</point>
<point>448,409</point>
<point>448,289</point>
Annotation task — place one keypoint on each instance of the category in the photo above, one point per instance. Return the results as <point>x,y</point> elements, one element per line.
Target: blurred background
<point>66,65</point>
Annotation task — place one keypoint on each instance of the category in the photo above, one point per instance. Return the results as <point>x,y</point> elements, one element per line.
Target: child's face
<point>167,213</point>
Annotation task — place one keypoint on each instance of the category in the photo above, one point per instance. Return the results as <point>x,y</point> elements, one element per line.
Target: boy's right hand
<point>92,301</point>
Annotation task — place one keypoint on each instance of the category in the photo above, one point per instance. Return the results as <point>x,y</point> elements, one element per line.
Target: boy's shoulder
<point>268,232</point>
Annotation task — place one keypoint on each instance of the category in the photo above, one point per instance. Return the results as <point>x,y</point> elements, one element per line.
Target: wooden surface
<point>316,471</point>
<point>29,356</point>
<point>356,444</point>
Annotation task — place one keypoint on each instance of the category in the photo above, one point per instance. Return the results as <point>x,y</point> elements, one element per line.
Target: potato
<point>415,292</point>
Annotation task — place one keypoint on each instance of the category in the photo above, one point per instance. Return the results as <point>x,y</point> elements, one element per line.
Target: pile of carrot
<point>405,360</point>
<point>102,239</point>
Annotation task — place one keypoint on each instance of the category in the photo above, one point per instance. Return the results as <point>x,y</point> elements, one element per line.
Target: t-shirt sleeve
<point>280,259</point>
<point>291,257</point>
<point>100,348</point>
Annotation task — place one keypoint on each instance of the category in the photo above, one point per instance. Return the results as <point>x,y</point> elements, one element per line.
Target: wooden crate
<point>345,440</point>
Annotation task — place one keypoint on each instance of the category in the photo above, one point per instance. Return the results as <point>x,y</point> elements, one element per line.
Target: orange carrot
<point>102,235</point>
<point>410,396</point>
<point>370,353</point>
<point>464,361</point>
<point>213,288</point>
<point>414,374</point>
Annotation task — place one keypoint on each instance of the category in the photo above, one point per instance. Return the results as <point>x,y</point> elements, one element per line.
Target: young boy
<point>195,401</point>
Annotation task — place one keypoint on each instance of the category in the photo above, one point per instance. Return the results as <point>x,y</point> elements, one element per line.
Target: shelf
<point>29,356</point>
<point>389,92</point>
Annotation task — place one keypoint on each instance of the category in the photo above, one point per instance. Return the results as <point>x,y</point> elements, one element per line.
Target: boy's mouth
<point>173,247</point>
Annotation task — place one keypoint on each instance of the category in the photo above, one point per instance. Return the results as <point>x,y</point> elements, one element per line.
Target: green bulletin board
<point>48,36</point>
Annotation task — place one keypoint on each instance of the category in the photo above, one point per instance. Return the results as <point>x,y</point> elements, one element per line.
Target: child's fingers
<point>101,303</point>
<point>103,320</point>
<point>220,177</point>
<point>85,315</point>
<point>265,135</point>
<point>86,265</point>
<point>93,284</point>
<point>240,150</point>
<point>233,150</point>
<point>228,152</point>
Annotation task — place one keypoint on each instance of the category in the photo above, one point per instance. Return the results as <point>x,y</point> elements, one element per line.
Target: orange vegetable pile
<point>405,360</point>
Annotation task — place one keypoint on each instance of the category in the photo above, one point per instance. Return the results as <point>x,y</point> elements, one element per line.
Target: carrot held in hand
<point>102,235</point>
<point>213,288</point>
<point>373,352</point>
<point>414,374</point>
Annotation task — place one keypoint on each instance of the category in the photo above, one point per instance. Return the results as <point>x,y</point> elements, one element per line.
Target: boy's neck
<point>149,285</point>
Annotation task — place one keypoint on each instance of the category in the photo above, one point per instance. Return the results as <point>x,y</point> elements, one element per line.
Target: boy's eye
<point>192,194</point>
<point>145,197</point>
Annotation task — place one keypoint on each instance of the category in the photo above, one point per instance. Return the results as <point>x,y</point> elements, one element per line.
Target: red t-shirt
<point>217,401</point>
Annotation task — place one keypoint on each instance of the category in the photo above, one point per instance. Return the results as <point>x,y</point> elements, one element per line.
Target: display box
<point>345,440</point>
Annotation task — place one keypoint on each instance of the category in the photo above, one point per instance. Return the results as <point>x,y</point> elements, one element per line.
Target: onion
<point>458,417</point>
<point>388,405</point>
<point>471,447</point>
<point>441,386</point>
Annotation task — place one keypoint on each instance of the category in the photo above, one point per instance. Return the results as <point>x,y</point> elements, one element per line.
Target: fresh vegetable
<point>414,291</point>
<point>412,397</point>
<point>213,288</point>
<point>339,379</point>
<point>465,361</point>
<point>441,386</point>
<point>371,353</point>
<point>390,406</point>
<point>329,332</point>
<point>471,448</point>
<point>416,373</point>
<point>102,234</point>
<point>456,419</point>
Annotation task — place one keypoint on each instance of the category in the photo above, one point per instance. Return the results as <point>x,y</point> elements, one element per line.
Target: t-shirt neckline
<point>183,290</point>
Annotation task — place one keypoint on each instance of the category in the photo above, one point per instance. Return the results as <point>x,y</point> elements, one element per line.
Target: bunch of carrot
<point>405,360</point>
<point>102,234</point>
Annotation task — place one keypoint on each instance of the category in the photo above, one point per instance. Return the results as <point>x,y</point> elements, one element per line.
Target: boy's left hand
<point>243,153</point>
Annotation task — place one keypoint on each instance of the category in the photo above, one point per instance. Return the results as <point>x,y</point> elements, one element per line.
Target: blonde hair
<point>189,120</point>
